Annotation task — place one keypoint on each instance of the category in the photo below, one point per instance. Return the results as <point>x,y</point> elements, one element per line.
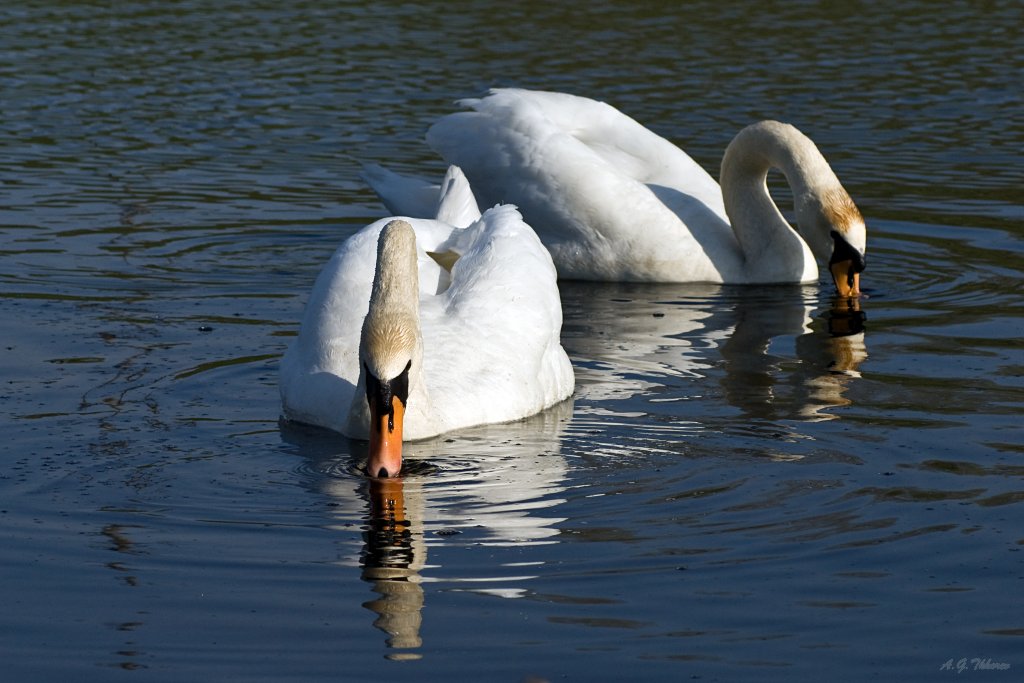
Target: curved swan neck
<point>756,220</point>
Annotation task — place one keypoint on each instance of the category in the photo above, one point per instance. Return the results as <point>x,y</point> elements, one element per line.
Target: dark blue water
<point>747,484</point>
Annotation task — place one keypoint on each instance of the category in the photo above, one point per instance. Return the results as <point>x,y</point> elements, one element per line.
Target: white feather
<point>490,335</point>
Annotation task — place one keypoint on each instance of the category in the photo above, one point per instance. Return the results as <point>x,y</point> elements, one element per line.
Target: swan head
<point>390,346</point>
<point>848,236</point>
<point>834,229</point>
<point>387,399</point>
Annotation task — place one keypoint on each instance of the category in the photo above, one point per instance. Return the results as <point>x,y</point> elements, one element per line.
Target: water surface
<point>748,484</point>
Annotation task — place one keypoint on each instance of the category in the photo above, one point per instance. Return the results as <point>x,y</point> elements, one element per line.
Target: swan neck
<point>756,220</point>
<point>396,278</point>
<point>391,333</point>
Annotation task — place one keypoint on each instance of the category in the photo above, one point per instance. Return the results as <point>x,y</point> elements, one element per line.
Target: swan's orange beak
<point>846,275</point>
<point>386,439</point>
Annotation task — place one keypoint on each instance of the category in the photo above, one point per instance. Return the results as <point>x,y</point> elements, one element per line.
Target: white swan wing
<point>611,199</point>
<point>456,203</point>
<point>624,144</point>
<point>452,201</point>
<point>492,339</point>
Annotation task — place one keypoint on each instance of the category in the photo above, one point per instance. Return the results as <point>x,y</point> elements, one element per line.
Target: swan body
<point>614,201</point>
<point>393,347</point>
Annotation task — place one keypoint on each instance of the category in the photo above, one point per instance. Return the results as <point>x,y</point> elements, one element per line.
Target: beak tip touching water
<point>381,472</point>
<point>846,277</point>
<point>383,465</point>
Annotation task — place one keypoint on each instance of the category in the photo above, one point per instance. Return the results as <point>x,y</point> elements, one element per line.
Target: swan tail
<point>402,195</point>
<point>452,201</point>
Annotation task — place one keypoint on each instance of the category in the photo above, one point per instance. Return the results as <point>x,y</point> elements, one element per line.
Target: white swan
<point>614,201</point>
<point>393,347</point>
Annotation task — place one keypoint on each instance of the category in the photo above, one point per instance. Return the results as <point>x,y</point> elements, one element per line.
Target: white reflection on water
<point>805,382</point>
<point>501,485</point>
<point>495,485</point>
<point>659,365</point>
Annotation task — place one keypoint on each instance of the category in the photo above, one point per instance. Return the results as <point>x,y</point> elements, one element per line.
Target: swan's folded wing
<point>497,328</point>
<point>456,204</point>
<point>451,202</point>
<point>588,178</point>
<point>320,369</point>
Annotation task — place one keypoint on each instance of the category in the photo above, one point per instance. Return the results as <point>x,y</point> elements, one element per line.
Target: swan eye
<point>381,395</point>
<point>844,251</point>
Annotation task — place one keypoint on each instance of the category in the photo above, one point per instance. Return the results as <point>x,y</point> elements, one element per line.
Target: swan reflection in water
<point>493,485</point>
<point>392,558</point>
<point>775,352</point>
<point>844,351</point>
<point>769,383</point>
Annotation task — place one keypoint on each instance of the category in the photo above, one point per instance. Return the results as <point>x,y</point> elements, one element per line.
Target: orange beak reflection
<point>847,279</point>
<point>386,440</point>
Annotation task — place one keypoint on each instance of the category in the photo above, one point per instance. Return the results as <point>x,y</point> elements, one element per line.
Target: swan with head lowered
<point>395,347</point>
<point>612,200</point>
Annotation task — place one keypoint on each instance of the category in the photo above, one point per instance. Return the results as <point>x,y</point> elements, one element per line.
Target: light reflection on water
<point>745,485</point>
<point>494,486</point>
<point>505,486</point>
